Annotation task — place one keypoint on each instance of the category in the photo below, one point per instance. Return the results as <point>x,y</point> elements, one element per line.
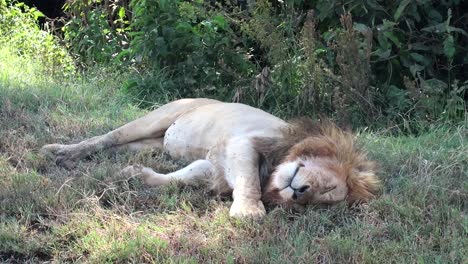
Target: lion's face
<point>308,181</point>
<point>325,168</point>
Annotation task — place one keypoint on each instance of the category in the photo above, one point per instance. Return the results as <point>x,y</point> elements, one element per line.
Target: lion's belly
<point>195,133</point>
<point>182,141</point>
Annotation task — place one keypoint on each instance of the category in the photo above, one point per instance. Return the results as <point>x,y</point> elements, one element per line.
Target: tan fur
<point>240,149</point>
<point>305,138</point>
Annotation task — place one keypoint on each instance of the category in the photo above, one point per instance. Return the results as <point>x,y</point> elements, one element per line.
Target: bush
<point>311,76</point>
<point>20,33</point>
<point>193,44</point>
<point>95,30</point>
<point>363,63</point>
<point>418,56</point>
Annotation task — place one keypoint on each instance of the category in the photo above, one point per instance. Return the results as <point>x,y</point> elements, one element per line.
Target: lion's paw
<point>131,171</point>
<point>147,175</point>
<point>51,149</point>
<point>63,155</point>
<point>247,209</point>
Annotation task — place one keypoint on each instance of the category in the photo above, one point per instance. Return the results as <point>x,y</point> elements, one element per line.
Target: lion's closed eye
<point>328,189</point>
<point>296,171</point>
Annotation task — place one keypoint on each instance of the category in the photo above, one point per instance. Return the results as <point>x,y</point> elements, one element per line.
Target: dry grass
<point>89,214</point>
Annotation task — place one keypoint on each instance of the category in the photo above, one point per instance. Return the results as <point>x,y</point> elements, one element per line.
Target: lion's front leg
<point>196,171</point>
<point>247,208</point>
<point>242,172</point>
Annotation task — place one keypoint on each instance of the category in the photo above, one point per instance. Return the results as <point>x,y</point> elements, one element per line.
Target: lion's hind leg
<point>196,171</point>
<point>134,134</point>
<point>66,155</point>
<point>145,132</point>
<point>143,145</point>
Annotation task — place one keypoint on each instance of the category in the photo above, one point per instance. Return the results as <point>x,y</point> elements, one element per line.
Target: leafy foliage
<point>380,63</point>
<point>20,33</point>
<point>95,29</point>
<point>194,45</point>
<point>419,53</point>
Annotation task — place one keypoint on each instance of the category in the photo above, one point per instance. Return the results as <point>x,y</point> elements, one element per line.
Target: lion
<point>242,150</point>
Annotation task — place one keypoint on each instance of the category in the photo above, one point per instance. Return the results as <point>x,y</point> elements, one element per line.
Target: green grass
<point>89,214</point>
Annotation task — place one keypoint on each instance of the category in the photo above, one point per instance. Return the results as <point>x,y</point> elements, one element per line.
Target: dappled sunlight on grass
<point>92,214</point>
<point>20,71</point>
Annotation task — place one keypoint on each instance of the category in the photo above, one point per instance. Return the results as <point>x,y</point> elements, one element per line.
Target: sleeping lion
<point>244,150</point>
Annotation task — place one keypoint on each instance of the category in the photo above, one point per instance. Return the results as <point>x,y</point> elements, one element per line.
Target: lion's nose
<point>298,193</point>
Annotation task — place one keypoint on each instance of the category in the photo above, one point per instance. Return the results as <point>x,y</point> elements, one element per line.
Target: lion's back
<point>194,133</point>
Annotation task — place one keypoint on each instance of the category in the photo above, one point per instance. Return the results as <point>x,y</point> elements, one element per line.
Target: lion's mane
<point>305,138</point>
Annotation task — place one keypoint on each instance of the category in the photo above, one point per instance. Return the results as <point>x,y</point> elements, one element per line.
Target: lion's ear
<point>363,186</point>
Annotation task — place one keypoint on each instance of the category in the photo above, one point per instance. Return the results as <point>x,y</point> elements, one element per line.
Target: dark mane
<point>306,138</point>
<point>274,150</point>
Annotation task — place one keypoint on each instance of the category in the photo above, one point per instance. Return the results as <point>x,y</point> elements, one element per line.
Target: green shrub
<point>20,33</point>
<point>193,44</point>
<point>283,55</point>
<point>363,63</point>
<point>95,30</point>
<point>418,56</point>
<point>366,63</point>
<point>313,73</point>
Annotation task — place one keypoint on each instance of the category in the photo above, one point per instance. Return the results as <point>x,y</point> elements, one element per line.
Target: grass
<point>89,214</point>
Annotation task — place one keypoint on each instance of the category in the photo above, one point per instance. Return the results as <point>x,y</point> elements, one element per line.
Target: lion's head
<point>316,164</point>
